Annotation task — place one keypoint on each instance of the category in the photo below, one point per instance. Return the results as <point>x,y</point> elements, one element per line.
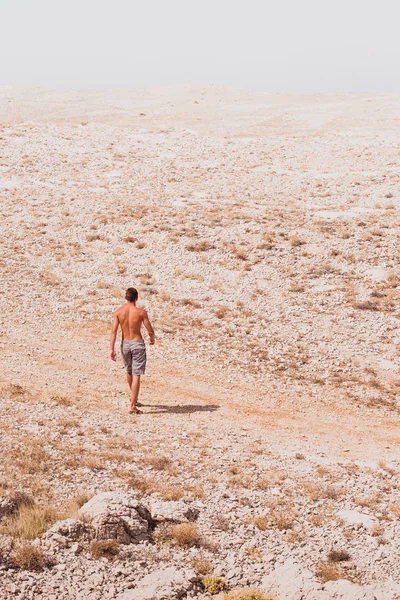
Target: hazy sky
<point>272,45</point>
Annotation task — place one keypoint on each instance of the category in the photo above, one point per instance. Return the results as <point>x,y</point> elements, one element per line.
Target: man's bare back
<point>130,318</point>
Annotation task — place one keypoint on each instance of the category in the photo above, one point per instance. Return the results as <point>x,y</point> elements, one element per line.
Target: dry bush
<point>104,549</point>
<point>241,254</point>
<point>29,558</point>
<point>212,584</point>
<point>366,305</point>
<point>247,593</point>
<point>190,302</point>
<point>61,400</point>
<point>261,523</point>
<point>377,530</point>
<point>326,571</point>
<point>171,492</point>
<point>77,502</point>
<point>338,556</point>
<point>262,484</point>
<point>202,565</point>
<point>15,390</point>
<point>281,519</point>
<point>30,522</point>
<point>143,485</point>
<point>186,534</point>
<point>395,509</point>
<point>221,311</point>
<point>221,522</point>
<point>31,460</point>
<point>160,463</point>
<point>200,246</point>
<point>295,241</point>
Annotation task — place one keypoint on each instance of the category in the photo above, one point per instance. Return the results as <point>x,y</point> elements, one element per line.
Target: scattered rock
<point>164,584</point>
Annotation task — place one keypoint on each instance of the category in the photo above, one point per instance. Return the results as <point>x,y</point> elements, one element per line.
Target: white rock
<point>164,584</point>
<point>354,517</point>
<point>117,515</point>
<point>172,511</point>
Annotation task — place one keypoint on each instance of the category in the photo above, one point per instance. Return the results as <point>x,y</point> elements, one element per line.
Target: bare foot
<point>136,411</point>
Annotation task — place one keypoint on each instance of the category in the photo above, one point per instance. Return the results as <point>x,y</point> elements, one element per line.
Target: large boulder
<point>67,531</point>
<point>164,584</point>
<point>117,515</point>
<point>175,510</point>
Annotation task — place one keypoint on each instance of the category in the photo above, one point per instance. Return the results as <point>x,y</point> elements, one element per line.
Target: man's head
<point>131,294</point>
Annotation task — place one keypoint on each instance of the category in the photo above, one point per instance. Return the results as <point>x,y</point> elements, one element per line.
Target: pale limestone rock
<point>117,515</point>
<point>172,511</point>
<point>354,517</point>
<point>164,584</point>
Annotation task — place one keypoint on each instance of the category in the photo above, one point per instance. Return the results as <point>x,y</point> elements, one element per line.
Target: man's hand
<point>113,355</point>
<point>152,340</point>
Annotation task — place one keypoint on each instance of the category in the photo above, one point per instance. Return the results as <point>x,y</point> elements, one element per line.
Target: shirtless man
<point>133,348</point>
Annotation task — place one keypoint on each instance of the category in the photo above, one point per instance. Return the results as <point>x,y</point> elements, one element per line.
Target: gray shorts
<point>134,356</point>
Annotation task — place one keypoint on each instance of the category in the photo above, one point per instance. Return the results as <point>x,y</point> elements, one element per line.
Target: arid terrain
<point>262,232</point>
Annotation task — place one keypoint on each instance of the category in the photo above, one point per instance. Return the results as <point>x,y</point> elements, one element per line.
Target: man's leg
<point>129,380</point>
<point>135,385</point>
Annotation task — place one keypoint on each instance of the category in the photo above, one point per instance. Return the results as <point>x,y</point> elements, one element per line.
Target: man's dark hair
<point>131,294</point>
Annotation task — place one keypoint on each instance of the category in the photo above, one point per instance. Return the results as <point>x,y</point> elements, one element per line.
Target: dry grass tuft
<point>30,522</point>
<point>29,558</point>
<point>104,549</point>
<point>78,501</point>
<point>160,463</point>
<point>247,593</point>
<point>326,571</point>
<point>186,534</point>
<point>202,565</point>
<point>200,247</point>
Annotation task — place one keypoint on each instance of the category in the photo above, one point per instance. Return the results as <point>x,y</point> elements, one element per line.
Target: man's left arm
<point>114,329</point>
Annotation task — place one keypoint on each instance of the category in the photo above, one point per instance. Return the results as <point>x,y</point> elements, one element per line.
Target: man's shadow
<point>181,409</point>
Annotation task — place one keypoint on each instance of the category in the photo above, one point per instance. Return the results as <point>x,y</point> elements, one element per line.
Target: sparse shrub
<point>171,492</point>
<point>212,584</point>
<point>78,501</point>
<point>295,241</point>
<point>186,534</point>
<point>366,305</point>
<point>261,523</point>
<point>326,571</point>
<point>202,565</point>
<point>104,549</point>
<point>30,522</point>
<point>247,593</point>
<point>29,557</point>
<point>221,522</point>
<point>338,556</point>
<point>15,390</point>
<point>61,400</point>
<point>142,484</point>
<point>160,463</point>
<point>200,247</point>
<point>241,254</point>
<point>282,519</point>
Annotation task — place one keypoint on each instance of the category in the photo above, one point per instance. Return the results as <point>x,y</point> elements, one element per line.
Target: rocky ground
<point>262,234</point>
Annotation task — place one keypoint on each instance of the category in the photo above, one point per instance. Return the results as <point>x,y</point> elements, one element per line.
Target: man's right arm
<point>149,327</point>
